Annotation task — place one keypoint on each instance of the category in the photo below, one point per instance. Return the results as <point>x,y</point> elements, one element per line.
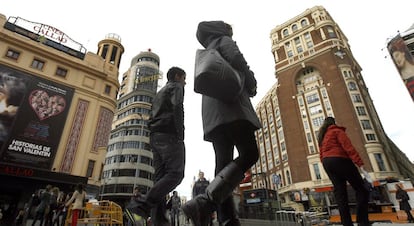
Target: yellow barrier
<point>102,213</point>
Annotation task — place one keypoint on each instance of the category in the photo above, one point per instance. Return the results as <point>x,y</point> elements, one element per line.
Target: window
<point>285,33</point>
<point>299,49</point>
<point>380,161</point>
<point>370,137</point>
<point>317,171</point>
<point>287,44</point>
<point>12,54</point>
<point>366,124</point>
<point>37,64</point>
<point>294,27</point>
<point>352,86</point>
<point>107,89</point>
<point>331,32</point>
<point>297,41</point>
<point>312,149</point>
<point>61,72</point>
<point>289,181</point>
<point>317,122</point>
<point>283,145</point>
<point>303,22</point>
<point>89,171</point>
<point>356,98</point>
<point>315,109</point>
<point>290,53</point>
<point>105,51</point>
<point>309,137</point>
<point>113,55</point>
<point>312,98</point>
<point>361,111</point>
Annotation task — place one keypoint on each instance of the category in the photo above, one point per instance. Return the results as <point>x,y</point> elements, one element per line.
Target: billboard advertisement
<point>33,112</point>
<point>404,62</point>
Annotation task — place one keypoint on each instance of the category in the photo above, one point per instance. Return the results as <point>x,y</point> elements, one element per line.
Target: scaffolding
<point>98,213</point>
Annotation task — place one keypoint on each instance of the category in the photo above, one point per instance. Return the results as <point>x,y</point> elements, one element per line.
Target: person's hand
<point>366,174</point>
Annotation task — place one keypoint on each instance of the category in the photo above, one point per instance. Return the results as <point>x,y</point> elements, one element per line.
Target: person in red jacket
<point>340,160</point>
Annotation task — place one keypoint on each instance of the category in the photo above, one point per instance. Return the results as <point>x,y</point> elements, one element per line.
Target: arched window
<point>285,33</point>
<point>303,22</point>
<point>289,181</point>
<point>294,27</point>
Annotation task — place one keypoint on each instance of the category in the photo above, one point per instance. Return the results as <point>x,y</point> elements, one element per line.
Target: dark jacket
<point>403,196</point>
<point>337,144</point>
<point>200,187</point>
<point>44,202</point>
<point>214,111</point>
<point>168,110</point>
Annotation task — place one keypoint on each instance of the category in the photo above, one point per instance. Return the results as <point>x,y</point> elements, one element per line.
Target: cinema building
<point>57,103</point>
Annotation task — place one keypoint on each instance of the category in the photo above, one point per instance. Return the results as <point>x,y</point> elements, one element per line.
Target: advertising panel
<point>404,62</point>
<point>33,112</point>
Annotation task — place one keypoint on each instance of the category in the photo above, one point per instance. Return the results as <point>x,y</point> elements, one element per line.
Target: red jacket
<point>337,144</point>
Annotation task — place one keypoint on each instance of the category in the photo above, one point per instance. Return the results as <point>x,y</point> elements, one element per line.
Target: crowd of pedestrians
<point>47,206</point>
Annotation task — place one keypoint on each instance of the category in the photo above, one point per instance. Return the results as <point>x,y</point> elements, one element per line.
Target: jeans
<point>341,170</point>
<point>175,217</point>
<point>225,138</point>
<point>169,163</point>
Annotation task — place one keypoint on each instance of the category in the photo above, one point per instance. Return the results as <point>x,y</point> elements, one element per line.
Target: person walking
<point>402,197</point>
<point>340,160</point>
<point>199,187</point>
<point>175,209</point>
<point>41,209</point>
<point>77,199</point>
<point>226,125</point>
<point>54,193</point>
<point>166,125</point>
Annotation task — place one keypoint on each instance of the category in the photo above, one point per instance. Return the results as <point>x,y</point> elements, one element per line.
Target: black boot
<point>200,208</point>
<point>227,213</point>
<point>139,207</point>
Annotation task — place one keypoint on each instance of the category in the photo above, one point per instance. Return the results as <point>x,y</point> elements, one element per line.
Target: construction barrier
<point>98,213</point>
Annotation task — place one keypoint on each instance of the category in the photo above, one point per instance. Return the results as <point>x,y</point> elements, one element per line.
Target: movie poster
<point>404,62</point>
<point>33,113</point>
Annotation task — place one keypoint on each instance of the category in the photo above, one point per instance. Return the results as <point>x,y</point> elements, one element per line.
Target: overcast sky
<point>168,28</point>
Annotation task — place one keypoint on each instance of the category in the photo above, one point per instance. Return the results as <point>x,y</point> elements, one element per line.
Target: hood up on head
<point>207,31</point>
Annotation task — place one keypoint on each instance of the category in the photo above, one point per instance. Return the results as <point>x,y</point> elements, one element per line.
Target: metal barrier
<point>294,218</point>
<point>102,213</point>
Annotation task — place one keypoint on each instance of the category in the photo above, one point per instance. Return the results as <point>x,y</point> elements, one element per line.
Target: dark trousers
<point>238,134</point>
<point>39,216</point>
<point>340,171</point>
<point>169,163</point>
<point>175,217</point>
<point>410,217</point>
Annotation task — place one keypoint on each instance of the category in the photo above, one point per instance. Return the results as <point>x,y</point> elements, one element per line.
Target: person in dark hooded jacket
<point>167,142</point>
<point>339,159</point>
<point>226,125</point>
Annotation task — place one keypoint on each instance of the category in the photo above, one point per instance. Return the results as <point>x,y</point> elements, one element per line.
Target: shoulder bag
<point>215,77</point>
